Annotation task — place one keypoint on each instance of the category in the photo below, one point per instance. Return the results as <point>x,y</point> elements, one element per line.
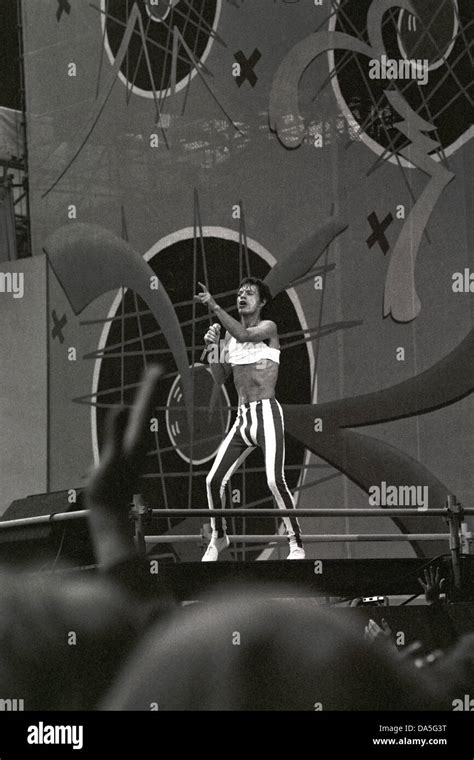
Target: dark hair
<point>263,290</point>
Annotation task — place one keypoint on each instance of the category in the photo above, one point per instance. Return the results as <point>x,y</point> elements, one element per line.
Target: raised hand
<point>433,585</point>
<point>115,480</point>
<point>373,632</point>
<point>205,297</point>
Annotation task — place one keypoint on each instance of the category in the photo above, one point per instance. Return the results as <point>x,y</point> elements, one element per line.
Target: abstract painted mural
<point>322,146</point>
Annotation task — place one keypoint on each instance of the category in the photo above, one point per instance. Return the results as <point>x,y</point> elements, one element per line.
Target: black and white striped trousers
<point>258,423</point>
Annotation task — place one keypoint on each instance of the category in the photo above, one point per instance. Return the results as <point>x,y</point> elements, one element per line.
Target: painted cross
<point>59,324</point>
<point>378,231</point>
<point>247,66</point>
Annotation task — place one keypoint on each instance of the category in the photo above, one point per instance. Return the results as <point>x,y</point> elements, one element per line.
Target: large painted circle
<point>177,480</point>
<point>435,47</point>
<point>196,448</point>
<point>444,101</point>
<point>197,21</point>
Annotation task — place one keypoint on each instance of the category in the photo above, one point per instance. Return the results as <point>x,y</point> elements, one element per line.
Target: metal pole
<point>309,539</point>
<point>43,519</point>
<point>454,516</point>
<point>188,513</point>
<point>23,125</point>
<point>270,512</point>
<point>138,511</point>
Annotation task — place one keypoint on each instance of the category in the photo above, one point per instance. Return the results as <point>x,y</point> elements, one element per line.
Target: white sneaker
<point>215,546</point>
<point>297,552</point>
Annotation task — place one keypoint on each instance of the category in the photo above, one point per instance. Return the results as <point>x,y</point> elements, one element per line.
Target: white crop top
<point>250,353</point>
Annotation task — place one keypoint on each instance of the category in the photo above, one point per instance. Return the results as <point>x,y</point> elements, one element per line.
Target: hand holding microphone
<point>212,336</point>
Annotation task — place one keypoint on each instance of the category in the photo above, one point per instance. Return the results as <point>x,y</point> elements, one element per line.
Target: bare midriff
<point>254,382</point>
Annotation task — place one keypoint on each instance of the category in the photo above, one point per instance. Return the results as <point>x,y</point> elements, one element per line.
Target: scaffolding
<point>14,170</point>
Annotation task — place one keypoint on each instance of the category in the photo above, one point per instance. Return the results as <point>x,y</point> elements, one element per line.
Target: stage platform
<point>336,583</point>
<point>328,578</point>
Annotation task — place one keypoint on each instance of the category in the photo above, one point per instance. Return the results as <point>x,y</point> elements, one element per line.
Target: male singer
<point>252,353</point>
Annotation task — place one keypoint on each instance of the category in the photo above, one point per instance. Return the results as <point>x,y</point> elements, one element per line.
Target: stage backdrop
<point>206,139</point>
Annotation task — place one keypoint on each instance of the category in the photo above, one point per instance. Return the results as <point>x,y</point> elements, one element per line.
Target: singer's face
<point>248,299</point>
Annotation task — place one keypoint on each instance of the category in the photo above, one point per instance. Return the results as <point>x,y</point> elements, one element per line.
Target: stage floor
<point>336,578</point>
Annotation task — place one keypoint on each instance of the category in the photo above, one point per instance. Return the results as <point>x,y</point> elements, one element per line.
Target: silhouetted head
<point>244,651</point>
<point>62,639</point>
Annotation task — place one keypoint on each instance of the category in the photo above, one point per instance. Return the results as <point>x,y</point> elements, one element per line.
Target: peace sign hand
<point>114,482</point>
<point>123,457</point>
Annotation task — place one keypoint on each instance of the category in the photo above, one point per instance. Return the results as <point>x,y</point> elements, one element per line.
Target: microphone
<point>203,355</point>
